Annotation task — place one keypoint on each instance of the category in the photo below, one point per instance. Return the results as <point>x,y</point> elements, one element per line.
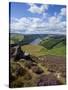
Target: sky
<point>33,18</point>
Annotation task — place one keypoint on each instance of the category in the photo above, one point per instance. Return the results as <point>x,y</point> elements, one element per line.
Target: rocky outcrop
<point>18,54</point>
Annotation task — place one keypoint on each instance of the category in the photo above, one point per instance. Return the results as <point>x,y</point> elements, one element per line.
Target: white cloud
<point>54,19</point>
<point>63,12</point>
<point>47,24</point>
<point>36,25</point>
<point>37,9</point>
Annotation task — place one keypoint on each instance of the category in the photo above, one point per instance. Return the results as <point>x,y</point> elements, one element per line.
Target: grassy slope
<point>55,46</point>
<point>16,38</point>
<point>35,50</point>
<point>57,51</point>
<point>51,42</point>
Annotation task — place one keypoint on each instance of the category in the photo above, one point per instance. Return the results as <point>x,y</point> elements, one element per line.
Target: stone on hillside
<point>22,55</point>
<point>12,50</point>
<point>37,70</point>
<point>20,71</point>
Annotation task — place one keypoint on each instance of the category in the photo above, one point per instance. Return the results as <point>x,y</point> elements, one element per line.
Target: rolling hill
<point>48,44</point>
<point>16,38</point>
<point>35,50</point>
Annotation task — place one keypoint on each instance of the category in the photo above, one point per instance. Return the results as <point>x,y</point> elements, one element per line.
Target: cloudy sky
<point>31,18</point>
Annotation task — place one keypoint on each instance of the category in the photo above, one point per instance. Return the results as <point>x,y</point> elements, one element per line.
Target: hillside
<point>56,46</point>
<point>50,42</point>
<point>16,38</point>
<point>40,44</point>
<point>31,70</point>
<point>35,50</point>
<point>25,38</point>
<point>37,60</point>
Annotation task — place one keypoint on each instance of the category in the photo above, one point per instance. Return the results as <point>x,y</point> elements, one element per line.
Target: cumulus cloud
<point>63,12</point>
<point>28,25</point>
<point>45,25</point>
<point>37,9</point>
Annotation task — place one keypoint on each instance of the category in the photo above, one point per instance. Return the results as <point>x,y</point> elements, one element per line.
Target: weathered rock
<point>22,55</point>
<point>12,50</point>
<point>20,71</point>
<point>37,70</point>
<point>19,54</point>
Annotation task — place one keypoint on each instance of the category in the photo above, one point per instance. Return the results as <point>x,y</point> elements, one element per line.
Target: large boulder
<point>19,54</point>
<point>22,55</point>
<point>37,70</point>
<point>20,71</point>
<point>12,51</point>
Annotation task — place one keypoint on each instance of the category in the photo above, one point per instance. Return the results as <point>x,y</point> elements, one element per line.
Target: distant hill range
<point>16,38</point>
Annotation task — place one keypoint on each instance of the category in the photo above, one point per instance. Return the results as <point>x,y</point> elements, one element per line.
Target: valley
<point>37,60</point>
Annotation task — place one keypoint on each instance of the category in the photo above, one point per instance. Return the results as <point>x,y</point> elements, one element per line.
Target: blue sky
<point>28,18</point>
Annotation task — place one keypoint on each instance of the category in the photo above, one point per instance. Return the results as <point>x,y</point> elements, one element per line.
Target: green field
<point>35,50</point>
<point>16,38</point>
<point>52,42</point>
<point>57,51</point>
<point>38,50</point>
